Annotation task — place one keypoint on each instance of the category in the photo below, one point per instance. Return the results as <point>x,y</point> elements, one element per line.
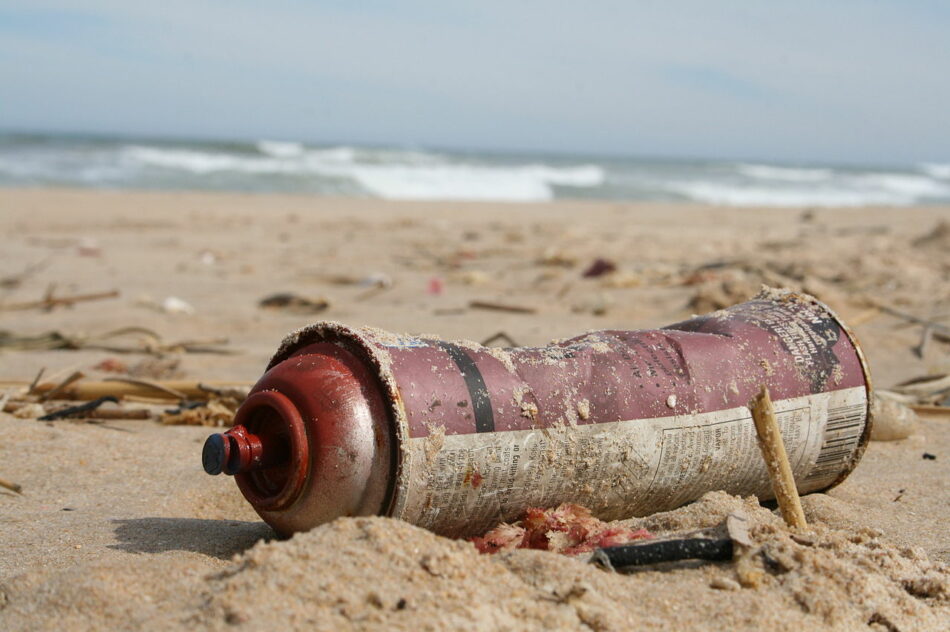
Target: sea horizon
<point>119,161</point>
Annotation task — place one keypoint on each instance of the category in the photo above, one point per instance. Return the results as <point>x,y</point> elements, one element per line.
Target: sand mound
<point>377,573</point>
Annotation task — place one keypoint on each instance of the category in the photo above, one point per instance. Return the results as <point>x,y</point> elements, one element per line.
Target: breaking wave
<point>417,174</point>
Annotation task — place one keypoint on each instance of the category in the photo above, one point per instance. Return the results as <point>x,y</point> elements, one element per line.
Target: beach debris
<point>216,412</point>
<point>88,247</point>
<point>660,551</point>
<point>776,460</point>
<point>147,342</point>
<point>938,237</point>
<point>461,400</point>
<point>25,410</point>
<point>294,303</point>
<point>499,337</point>
<point>435,286</point>
<point>927,395</point>
<point>556,257</point>
<point>175,305</point>
<point>502,307</point>
<point>168,390</point>
<point>598,268</point>
<point>568,529</point>
<point>937,330</point>
<point>79,409</point>
<point>111,365</point>
<point>50,301</point>
<point>156,368</point>
<point>927,456</point>
<point>75,376</point>
<point>13,487</point>
<point>892,420</point>
<point>13,281</point>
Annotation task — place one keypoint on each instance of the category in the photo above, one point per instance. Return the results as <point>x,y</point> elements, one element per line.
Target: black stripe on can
<point>477,391</point>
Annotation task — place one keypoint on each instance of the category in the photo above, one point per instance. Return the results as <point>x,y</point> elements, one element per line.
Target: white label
<point>464,484</point>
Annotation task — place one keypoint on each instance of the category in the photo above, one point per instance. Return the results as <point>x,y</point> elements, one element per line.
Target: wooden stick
<point>59,388</point>
<point>929,409</point>
<point>776,460</point>
<point>158,386</point>
<point>49,301</point>
<point>13,487</point>
<point>93,390</point>
<point>500,307</point>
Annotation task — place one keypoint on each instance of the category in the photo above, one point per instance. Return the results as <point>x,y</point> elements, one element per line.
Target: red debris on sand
<point>569,529</point>
<point>112,365</point>
<point>435,286</point>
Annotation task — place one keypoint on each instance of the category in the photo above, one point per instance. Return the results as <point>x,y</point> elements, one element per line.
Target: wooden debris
<point>158,386</point>
<point>88,390</point>
<point>218,411</point>
<point>50,301</point>
<point>925,336</point>
<point>75,376</point>
<point>15,280</point>
<point>148,342</point>
<point>13,487</point>
<point>776,460</point>
<point>294,303</point>
<point>501,307</point>
<point>499,337</point>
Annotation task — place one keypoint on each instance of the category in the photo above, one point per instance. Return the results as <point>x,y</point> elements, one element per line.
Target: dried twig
<point>776,460</point>
<point>501,307</point>
<point>50,301</point>
<point>36,380</point>
<point>87,390</point>
<point>75,376</point>
<point>13,487</point>
<point>158,386</point>
<point>500,336</point>
<point>925,337</point>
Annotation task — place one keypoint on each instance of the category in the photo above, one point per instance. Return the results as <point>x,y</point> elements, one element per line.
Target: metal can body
<point>624,422</point>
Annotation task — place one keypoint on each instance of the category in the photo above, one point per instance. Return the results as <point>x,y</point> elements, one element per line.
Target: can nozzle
<point>237,451</point>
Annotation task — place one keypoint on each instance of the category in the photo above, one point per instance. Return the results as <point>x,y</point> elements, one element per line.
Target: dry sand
<point>118,527</point>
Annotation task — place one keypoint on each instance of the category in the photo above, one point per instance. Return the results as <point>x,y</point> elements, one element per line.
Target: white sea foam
<point>416,176</point>
<point>398,173</point>
<point>785,174</point>
<point>937,170</point>
<point>279,149</point>
<point>733,195</point>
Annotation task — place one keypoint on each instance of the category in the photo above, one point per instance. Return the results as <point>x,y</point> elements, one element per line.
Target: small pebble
<point>671,401</point>
<point>930,457</point>
<point>724,583</point>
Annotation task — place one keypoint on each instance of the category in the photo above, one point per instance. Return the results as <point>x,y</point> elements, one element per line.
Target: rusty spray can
<point>455,437</point>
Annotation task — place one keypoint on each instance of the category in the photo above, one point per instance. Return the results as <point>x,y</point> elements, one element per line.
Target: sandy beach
<point>118,527</point>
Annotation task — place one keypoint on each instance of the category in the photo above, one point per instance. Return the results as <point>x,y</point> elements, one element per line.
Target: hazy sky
<point>850,80</point>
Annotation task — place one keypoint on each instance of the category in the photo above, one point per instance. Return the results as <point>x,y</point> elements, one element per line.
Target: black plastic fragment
<point>665,551</point>
<point>81,408</point>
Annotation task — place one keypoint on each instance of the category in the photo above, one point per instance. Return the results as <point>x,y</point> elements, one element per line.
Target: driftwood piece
<point>51,301</point>
<point>13,487</point>
<point>502,307</point>
<point>88,390</point>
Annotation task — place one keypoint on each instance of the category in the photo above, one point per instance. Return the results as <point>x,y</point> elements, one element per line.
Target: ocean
<point>428,174</point>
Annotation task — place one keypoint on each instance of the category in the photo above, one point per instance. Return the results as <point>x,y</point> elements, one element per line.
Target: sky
<point>850,81</point>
